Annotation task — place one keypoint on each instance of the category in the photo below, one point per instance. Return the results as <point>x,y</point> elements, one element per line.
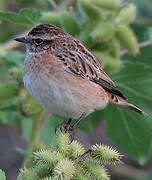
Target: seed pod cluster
<point>68,160</point>
<point>102,25</point>
<point>111,31</point>
<point>107,27</point>
<point>51,18</point>
<point>107,4</point>
<point>69,23</point>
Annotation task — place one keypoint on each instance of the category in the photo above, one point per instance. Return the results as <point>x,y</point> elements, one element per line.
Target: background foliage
<point>118,33</point>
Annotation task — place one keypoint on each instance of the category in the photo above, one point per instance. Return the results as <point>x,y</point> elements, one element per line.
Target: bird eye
<point>38,41</point>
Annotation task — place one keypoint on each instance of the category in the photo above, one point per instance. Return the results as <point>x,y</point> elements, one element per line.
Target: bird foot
<point>67,127</point>
<point>64,127</point>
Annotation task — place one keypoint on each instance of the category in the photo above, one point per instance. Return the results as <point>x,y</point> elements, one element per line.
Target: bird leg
<point>78,121</point>
<point>64,127</point>
<point>67,126</point>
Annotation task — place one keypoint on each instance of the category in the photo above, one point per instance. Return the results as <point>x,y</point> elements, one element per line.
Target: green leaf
<point>15,57</point>
<point>90,121</point>
<point>129,130</point>
<point>8,117</point>
<point>30,16</point>
<point>144,56</point>
<point>134,80</point>
<point>149,176</point>
<point>11,106</point>
<point>2,175</point>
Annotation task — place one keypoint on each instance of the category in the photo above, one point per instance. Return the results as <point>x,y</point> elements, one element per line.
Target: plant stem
<point>126,3</point>
<point>44,119</point>
<point>54,5</point>
<point>35,127</point>
<point>35,133</point>
<point>3,79</point>
<point>140,45</point>
<point>65,3</point>
<point>83,155</point>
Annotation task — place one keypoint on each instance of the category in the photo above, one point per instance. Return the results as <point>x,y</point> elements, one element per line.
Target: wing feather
<point>81,62</point>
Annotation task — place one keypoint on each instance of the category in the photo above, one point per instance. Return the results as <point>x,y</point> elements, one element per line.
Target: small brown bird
<point>64,77</point>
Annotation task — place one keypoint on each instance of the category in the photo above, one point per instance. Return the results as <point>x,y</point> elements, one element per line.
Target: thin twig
<point>143,22</point>
<point>11,44</point>
<point>44,119</point>
<point>83,155</point>
<point>65,4</point>
<point>146,43</point>
<point>126,3</point>
<point>3,79</point>
<point>53,4</point>
<point>140,45</point>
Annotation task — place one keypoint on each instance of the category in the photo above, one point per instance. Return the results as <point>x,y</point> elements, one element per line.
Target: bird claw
<point>64,127</point>
<point>67,127</point>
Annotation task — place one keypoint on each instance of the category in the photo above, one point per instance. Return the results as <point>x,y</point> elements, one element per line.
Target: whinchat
<point>64,77</point>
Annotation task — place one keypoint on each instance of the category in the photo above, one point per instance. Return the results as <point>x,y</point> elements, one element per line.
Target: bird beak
<point>20,39</point>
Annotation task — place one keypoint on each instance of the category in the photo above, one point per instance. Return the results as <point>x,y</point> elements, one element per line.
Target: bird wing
<point>79,61</point>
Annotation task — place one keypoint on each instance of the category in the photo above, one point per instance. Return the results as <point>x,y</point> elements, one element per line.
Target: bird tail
<point>118,101</point>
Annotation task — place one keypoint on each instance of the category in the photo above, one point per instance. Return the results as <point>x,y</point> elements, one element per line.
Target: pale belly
<point>60,98</point>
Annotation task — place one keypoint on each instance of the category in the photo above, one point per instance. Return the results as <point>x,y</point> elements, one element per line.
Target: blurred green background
<point>119,34</point>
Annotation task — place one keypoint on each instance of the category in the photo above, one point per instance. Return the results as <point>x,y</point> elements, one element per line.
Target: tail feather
<point>118,101</point>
